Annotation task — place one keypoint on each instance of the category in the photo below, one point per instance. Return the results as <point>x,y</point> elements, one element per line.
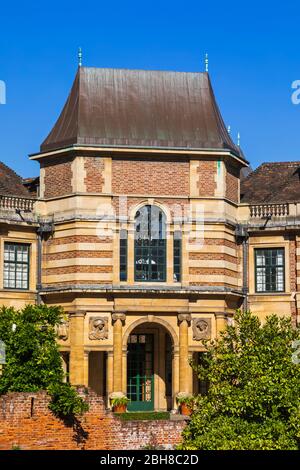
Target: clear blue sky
<point>254,52</point>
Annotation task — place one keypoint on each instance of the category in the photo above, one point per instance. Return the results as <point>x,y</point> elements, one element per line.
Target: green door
<point>140,377</point>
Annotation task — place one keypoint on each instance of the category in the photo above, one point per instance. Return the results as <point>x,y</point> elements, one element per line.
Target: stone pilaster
<point>184,372</point>
<point>221,322</point>
<point>86,369</point>
<point>118,320</point>
<point>109,374</point>
<point>77,359</point>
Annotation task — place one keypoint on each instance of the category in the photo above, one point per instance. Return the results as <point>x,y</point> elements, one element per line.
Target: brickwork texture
<point>27,423</point>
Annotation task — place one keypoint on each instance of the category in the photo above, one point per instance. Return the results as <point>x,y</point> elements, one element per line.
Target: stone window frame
<point>274,267</point>
<point>171,227</point>
<point>251,266</point>
<point>15,262</point>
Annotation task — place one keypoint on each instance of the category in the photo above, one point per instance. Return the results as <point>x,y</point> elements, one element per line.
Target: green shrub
<point>33,360</point>
<point>65,401</point>
<point>253,396</point>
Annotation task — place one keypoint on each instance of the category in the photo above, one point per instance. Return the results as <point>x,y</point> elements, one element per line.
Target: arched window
<point>150,244</point>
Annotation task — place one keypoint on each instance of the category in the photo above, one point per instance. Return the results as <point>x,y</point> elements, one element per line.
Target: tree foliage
<point>65,400</point>
<point>33,360</point>
<point>253,397</point>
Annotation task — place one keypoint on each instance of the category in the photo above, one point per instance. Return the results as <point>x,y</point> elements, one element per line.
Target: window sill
<point>30,291</point>
<point>268,294</point>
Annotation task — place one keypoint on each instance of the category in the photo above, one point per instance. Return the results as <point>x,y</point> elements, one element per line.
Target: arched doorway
<point>150,349</point>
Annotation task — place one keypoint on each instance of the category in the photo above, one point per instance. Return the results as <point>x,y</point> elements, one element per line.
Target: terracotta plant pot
<point>185,409</point>
<point>120,408</point>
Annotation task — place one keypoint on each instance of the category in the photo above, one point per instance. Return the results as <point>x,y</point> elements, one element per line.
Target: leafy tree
<point>253,397</point>
<point>33,360</point>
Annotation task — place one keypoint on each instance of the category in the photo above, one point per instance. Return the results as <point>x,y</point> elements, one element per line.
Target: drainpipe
<point>44,230</point>
<point>242,237</point>
<point>39,266</point>
<point>245,248</point>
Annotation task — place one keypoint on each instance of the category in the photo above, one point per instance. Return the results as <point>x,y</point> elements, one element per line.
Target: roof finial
<point>239,139</point>
<point>79,57</point>
<point>229,129</point>
<point>206,62</point>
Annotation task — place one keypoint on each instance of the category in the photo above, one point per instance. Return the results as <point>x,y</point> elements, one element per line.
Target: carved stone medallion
<point>98,328</point>
<point>63,330</point>
<point>201,328</point>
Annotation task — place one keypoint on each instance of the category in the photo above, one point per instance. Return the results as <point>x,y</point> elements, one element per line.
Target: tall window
<point>269,270</point>
<point>123,255</point>
<point>150,244</point>
<point>177,256</point>
<point>16,266</point>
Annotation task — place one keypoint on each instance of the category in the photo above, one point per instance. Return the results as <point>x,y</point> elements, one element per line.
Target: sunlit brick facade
<point>144,233</point>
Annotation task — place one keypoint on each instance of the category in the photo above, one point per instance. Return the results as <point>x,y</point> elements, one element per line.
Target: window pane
<point>269,270</point>
<point>177,256</point>
<point>123,255</point>
<point>16,266</point>
<point>150,244</point>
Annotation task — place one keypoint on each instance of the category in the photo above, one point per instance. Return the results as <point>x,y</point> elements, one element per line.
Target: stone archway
<point>151,319</point>
<point>151,344</point>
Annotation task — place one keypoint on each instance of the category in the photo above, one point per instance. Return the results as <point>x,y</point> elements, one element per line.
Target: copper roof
<point>10,183</point>
<point>272,183</point>
<point>138,108</point>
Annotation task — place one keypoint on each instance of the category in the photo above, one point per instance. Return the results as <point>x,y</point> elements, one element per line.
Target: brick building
<point>142,227</point>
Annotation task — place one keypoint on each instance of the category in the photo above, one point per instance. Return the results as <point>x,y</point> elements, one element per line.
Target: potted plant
<point>119,404</point>
<point>185,402</point>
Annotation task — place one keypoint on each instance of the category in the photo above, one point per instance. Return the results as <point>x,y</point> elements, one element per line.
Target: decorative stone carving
<point>63,330</point>
<point>119,316</point>
<point>184,317</point>
<point>98,328</point>
<point>201,328</point>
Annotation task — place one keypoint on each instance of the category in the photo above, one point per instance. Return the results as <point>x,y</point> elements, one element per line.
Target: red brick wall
<point>26,422</point>
<point>58,177</point>
<point>232,183</point>
<point>207,178</point>
<point>151,177</point>
<point>94,169</point>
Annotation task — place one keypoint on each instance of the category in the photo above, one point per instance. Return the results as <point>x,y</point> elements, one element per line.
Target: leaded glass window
<point>177,256</point>
<point>150,244</point>
<point>269,270</point>
<point>16,266</point>
<point>123,255</point>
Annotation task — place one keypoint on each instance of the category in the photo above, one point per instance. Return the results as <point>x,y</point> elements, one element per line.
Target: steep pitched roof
<point>10,183</point>
<point>272,183</point>
<point>138,108</point>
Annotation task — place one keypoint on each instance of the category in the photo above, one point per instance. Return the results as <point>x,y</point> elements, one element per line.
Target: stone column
<point>86,369</point>
<point>118,320</point>
<point>221,321</point>
<point>162,401</point>
<point>175,376</point>
<point>109,375</point>
<point>184,371</point>
<point>124,370</point>
<point>77,362</point>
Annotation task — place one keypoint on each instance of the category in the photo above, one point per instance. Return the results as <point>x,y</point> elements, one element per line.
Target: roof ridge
<point>145,70</point>
<point>291,162</point>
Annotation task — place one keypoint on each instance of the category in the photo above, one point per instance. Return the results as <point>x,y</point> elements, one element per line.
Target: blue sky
<point>253,48</point>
